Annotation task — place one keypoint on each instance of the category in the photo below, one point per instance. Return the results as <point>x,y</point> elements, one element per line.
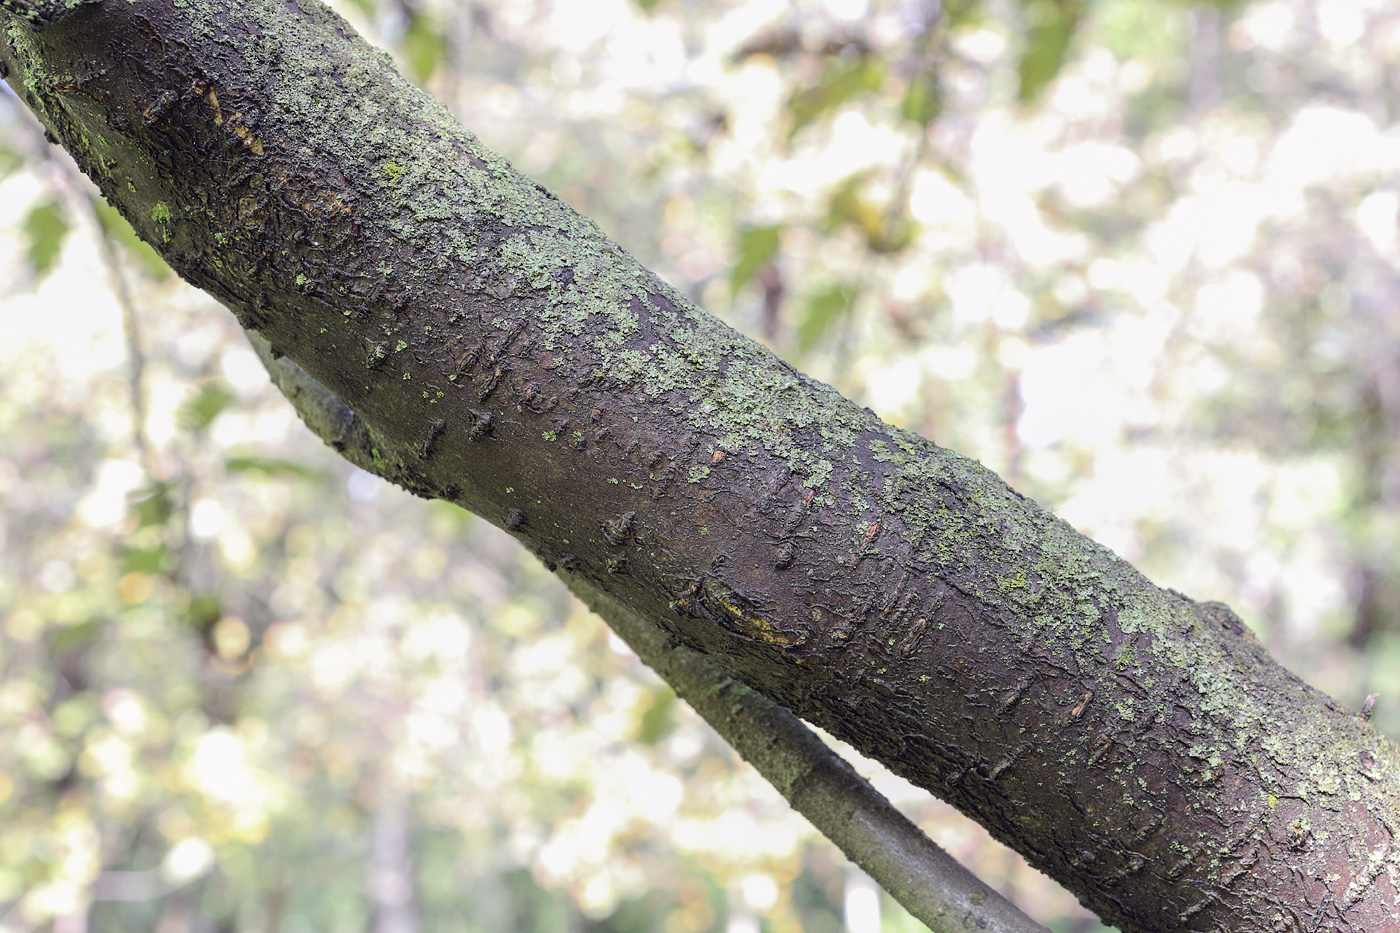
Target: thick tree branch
<point>818,783</point>
<point>501,353</point>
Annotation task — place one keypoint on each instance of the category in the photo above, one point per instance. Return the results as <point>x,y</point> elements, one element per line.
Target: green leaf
<point>144,559</point>
<point>923,99</point>
<point>153,505</point>
<point>842,79</point>
<point>884,232</point>
<point>1051,25</point>
<point>757,247</point>
<point>964,13</point>
<point>366,7</point>
<point>73,637</point>
<point>271,466</point>
<point>823,309</point>
<point>45,227</point>
<point>199,412</point>
<point>847,206</point>
<point>656,720</point>
<point>9,160</point>
<point>204,610</point>
<point>121,233</point>
<point>423,46</point>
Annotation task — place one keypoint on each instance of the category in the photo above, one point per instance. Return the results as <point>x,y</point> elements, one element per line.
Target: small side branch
<point>131,329</point>
<point>821,785</point>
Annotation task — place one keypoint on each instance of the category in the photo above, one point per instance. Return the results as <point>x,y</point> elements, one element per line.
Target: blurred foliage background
<point>1139,256</point>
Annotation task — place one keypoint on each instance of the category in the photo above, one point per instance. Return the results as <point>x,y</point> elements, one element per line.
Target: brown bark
<point>817,782</point>
<point>502,354</point>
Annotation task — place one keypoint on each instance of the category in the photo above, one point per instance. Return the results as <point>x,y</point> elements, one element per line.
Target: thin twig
<point>131,330</point>
<point>73,188</point>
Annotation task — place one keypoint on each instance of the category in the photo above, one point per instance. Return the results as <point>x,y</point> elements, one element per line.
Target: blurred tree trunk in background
<point>391,870</point>
<point>495,350</point>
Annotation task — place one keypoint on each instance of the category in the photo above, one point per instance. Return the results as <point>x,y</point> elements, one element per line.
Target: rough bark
<point>502,354</point>
<point>817,782</point>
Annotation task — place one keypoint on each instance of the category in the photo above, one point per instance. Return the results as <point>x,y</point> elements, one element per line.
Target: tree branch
<point>933,886</point>
<point>502,354</point>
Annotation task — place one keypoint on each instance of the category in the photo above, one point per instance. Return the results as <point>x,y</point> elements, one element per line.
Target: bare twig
<point>131,330</point>
<point>73,189</point>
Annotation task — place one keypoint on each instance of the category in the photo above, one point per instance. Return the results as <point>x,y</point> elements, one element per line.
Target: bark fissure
<point>501,353</point>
